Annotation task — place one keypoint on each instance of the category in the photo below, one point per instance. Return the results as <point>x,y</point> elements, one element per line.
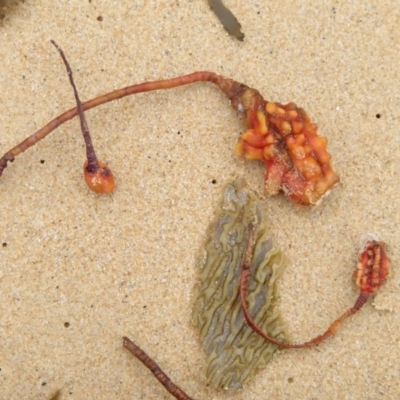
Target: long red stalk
<point>160,375</point>
<point>371,273</point>
<point>282,136</point>
<point>106,98</point>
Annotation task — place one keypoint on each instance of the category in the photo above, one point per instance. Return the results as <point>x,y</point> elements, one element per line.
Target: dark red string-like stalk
<point>106,98</point>
<point>282,136</point>
<point>159,374</point>
<point>93,164</point>
<point>98,175</point>
<point>381,259</point>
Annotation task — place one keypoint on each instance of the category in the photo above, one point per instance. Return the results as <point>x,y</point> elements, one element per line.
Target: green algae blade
<point>234,352</point>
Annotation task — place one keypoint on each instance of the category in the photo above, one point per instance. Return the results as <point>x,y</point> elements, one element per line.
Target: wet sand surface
<point>78,271</point>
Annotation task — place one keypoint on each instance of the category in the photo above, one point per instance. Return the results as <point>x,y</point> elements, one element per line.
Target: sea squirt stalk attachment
<point>282,136</point>
<point>371,272</point>
<point>98,175</point>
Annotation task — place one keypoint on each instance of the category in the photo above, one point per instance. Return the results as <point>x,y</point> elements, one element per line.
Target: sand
<point>78,270</point>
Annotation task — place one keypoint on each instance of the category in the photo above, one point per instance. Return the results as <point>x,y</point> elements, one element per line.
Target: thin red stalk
<point>93,164</point>
<point>244,281</point>
<point>160,375</point>
<point>105,98</point>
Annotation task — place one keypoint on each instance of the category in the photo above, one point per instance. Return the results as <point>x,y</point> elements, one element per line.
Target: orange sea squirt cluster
<point>286,140</point>
<point>373,267</point>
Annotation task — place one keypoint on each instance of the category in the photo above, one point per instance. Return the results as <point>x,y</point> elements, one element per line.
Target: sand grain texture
<point>125,264</point>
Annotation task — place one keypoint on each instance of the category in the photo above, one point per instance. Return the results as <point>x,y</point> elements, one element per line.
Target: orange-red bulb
<point>101,181</point>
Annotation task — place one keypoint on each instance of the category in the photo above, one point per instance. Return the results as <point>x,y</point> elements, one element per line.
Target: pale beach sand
<point>125,264</point>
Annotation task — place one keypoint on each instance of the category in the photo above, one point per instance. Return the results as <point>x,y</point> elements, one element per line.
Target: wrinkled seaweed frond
<point>235,352</point>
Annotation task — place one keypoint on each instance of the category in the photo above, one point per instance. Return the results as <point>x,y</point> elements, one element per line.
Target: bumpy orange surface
<point>295,157</point>
<point>373,267</point>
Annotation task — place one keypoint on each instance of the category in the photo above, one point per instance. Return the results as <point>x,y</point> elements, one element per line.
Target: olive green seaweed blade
<point>234,352</point>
